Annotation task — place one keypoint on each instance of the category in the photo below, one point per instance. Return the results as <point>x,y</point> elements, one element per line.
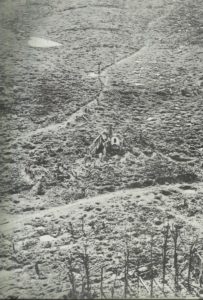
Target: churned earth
<point>134,64</point>
<point>37,245</point>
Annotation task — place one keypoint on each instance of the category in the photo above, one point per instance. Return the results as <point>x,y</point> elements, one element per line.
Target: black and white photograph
<point>101,149</point>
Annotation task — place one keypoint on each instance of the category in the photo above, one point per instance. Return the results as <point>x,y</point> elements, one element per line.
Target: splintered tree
<point>83,226</point>
<point>165,249</point>
<point>101,283</point>
<point>148,277</point>
<point>71,230</point>
<point>85,262</point>
<point>126,271</point>
<point>192,250</point>
<point>101,83</point>
<point>138,278</point>
<point>175,232</point>
<point>114,284</point>
<point>151,267</point>
<point>71,276</point>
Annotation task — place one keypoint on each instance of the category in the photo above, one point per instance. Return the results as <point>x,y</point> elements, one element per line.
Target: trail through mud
<point>19,221</point>
<point>71,119</point>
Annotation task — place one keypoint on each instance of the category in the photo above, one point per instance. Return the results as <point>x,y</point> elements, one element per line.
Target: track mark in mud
<point>173,160</point>
<point>177,215</point>
<point>106,6</point>
<point>71,119</point>
<point>104,77</point>
<point>74,7</point>
<point>10,223</point>
<point>187,187</point>
<point>92,28</point>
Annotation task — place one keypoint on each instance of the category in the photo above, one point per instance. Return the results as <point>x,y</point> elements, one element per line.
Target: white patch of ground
<point>36,42</point>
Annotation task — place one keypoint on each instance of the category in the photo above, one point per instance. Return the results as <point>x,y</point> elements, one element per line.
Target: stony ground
<point>53,106</point>
<point>103,224</point>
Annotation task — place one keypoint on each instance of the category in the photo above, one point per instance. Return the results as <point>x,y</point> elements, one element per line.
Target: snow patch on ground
<point>36,42</point>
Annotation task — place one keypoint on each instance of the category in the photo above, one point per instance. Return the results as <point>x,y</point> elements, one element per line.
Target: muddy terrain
<point>135,65</point>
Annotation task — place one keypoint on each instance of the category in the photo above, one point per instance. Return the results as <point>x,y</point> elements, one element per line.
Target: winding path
<point>12,222</point>
<point>103,77</point>
<point>71,119</point>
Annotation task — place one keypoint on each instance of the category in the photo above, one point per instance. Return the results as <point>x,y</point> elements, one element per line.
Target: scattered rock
<point>157,221</point>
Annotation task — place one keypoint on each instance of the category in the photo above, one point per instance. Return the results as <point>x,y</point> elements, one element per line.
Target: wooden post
<point>83,229</point>
<point>126,272</point>
<point>165,248</point>
<point>138,279</point>
<point>151,267</point>
<point>190,266</point>
<point>175,235</point>
<point>101,282</point>
<point>110,131</point>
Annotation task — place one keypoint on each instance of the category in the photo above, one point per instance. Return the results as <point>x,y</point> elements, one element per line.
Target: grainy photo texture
<point>101,142</point>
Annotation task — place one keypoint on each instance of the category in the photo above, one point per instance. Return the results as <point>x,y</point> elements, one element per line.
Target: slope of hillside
<point>102,225</point>
<point>151,94</point>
